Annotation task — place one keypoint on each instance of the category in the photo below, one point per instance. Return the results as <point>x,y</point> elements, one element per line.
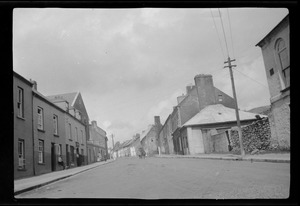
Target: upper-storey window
<point>55,124</point>
<point>284,61</point>
<point>20,102</point>
<point>40,118</point>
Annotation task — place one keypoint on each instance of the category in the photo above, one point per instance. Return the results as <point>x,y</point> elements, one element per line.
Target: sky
<point>131,64</point>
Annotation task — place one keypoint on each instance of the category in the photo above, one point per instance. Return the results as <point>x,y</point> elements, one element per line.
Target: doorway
<point>53,157</point>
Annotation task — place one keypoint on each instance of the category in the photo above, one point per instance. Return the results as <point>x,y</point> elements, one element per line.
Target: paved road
<point>157,178</point>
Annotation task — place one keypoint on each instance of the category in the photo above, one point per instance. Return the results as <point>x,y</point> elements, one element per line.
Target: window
<point>20,102</point>
<point>220,97</point>
<point>271,72</point>
<point>55,124</point>
<point>76,131</point>
<point>81,140</point>
<point>40,118</point>
<point>41,151</point>
<point>70,131</point>
<point>59,150</point>
<point>21,154</point>
<point>284,61</point>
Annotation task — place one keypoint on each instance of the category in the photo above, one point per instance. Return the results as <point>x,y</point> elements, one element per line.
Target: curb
<point>232,158</point>
<point>56,179</point>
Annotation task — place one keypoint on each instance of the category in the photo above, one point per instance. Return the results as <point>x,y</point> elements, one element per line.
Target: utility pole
<point>236,105</point>
<point>112,137</point>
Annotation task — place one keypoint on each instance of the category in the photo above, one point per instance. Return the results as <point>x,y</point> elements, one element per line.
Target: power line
<point>230,32</point>
<point>217,33</point>
<point>251,78</point>
<point>224,32</point>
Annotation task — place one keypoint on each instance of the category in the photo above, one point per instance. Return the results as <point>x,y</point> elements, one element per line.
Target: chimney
<point>189,88</point>
<point>34,86</point>
<point>157,120</point>
<point>180,98</point>
<point>94,123</point>
<point>205,89</point>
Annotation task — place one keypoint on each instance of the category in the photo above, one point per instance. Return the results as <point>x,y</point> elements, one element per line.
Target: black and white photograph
<point>151,103</point>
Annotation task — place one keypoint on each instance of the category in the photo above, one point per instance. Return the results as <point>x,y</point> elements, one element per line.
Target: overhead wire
<point>224,32</point>
<point>251,78</point>
<point>230,33</point>
<point>217,33</point>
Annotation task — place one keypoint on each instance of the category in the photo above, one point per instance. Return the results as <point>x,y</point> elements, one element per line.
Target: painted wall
<point>279,91</point>
<point>195,140</point>
<point>47,135</point>
<point>23,127</point>
<point>71,139</point>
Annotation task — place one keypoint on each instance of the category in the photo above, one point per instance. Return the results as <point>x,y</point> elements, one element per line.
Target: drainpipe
<point>33,159</point>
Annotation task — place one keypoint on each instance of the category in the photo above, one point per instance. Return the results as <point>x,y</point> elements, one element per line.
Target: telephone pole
<point>236,105</point>
<point>112,137</point>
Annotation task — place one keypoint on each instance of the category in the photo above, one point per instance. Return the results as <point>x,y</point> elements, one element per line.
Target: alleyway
<point>160,178</point>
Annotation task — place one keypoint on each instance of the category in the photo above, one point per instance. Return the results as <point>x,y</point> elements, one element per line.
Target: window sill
<point>285,89</point>
<point>82,144</point>
<point>41,163</point>
<point>22,169</point>
<point>41,130</point>
<point>19,117</point>
<point>55,135</point>
<point>70,140</point>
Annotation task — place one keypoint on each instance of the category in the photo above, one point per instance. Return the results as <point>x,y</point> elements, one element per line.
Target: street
<point>166,178</point>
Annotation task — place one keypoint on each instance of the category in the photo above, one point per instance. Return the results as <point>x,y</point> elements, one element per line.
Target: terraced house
<point>49,133</point>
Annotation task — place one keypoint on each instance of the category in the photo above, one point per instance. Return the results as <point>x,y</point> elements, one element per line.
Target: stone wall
<point>256,136</point>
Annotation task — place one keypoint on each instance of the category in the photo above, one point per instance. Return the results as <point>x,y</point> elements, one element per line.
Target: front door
<point>53,157</point>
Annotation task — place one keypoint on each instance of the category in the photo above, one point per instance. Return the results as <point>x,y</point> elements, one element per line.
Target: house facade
<point>149,140</point>
<point>76,117</point>
<point>23,128</point>
<point>197,97</point>
<point>48,133</point>
<point>97,144</point>
<point>210,121</point>
<point>275,47</point>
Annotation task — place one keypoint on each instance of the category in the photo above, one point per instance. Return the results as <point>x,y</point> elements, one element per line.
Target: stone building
<point>23,128</point>
<point>275,47</point>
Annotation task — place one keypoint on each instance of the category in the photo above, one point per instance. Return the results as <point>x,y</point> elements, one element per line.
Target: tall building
<point>275,47</point>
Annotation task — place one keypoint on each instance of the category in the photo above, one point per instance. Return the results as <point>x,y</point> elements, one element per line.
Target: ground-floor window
<point>21,154</point>
<point>41,151</point>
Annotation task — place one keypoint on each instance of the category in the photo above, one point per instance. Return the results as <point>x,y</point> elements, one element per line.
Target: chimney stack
<point>34,86</point>
<point>189,88</point>
<point>180,98</point>
<point>205,89</point>
<point>157,120</point>
<point>94,123</point>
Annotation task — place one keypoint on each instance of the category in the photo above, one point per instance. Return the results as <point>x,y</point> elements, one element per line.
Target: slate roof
<point>69,97</point>
<point>218,113</point>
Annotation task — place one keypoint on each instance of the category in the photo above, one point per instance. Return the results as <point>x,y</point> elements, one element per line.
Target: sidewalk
<point>30,183</point>
<point>269,157</point>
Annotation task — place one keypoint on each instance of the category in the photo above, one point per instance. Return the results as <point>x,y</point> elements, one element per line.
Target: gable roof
<point>69,97</point>
<point>72,98</point>
<point>218,113</point>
